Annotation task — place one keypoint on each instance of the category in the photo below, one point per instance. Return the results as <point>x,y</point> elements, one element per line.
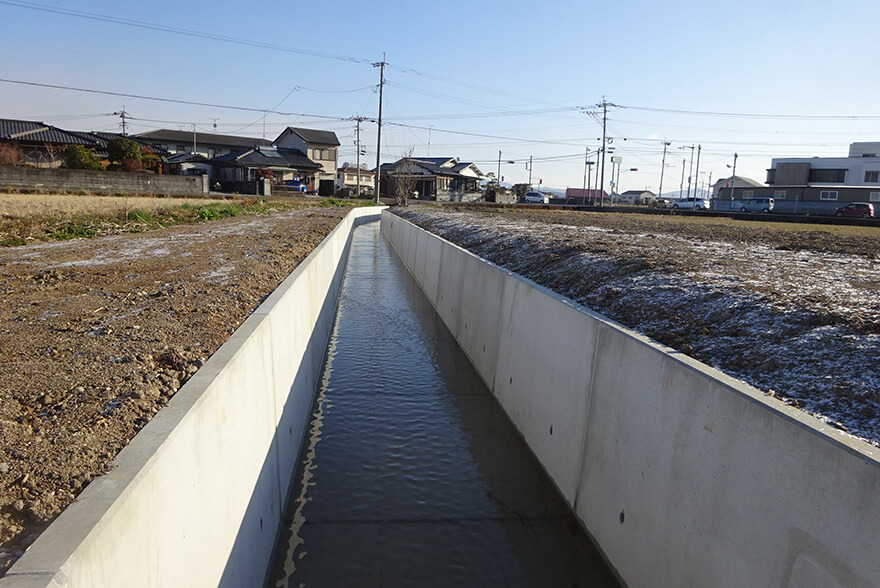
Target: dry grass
<point>34,218</point>
<point>61,205</point>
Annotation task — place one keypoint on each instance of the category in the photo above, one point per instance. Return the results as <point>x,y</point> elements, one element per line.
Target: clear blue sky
<point>472,78</point>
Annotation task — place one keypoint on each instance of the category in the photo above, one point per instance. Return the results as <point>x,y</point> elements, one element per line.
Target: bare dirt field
<point>97,334</point>
<point>791,309</point>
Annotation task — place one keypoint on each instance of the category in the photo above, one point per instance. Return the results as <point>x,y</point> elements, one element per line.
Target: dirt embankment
<point>793,310</point>
<point>97,335</point>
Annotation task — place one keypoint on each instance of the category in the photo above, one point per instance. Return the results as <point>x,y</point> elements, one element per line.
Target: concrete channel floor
<point>414,476</point>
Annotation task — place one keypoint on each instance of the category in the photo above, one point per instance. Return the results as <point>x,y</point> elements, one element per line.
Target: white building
<point>860,168</point>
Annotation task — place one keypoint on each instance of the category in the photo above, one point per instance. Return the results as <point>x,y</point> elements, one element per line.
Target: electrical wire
<point>180,31</point>
<point>166,100</point>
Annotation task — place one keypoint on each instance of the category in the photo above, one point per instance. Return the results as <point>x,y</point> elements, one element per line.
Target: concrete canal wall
<point>684,476</point>
<point>196,498</point>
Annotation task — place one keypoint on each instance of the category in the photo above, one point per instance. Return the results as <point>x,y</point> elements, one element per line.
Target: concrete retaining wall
<point>99,182</point>
<point>197,496</point>
<point>684,476</point>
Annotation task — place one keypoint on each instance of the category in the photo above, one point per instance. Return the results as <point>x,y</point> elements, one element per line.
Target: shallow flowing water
<point>411,474</point>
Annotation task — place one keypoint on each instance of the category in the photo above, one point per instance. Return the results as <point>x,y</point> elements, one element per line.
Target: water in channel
<point>411,474</point>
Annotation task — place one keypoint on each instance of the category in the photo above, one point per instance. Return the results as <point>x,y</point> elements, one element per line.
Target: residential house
<point>437,178</point>
<point>719,202</point>
<point>209,145</point>
<point>42,145</point>
<point>321,147</point>
<point>38,144</point>
<point>239,172</point>
<point>348,176</point>
<point>638,197</point>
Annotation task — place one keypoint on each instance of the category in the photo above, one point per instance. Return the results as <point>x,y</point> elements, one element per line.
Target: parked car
<point>857,209</point>
<point>757,205</point>
<point>536,198</point>
<point>690,203</point>
<point>296,185</point>
<point>661,203</point>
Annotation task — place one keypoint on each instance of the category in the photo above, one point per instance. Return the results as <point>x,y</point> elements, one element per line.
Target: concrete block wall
<point>99,182</point>
<point>684,476</point>
<point>197,496</point>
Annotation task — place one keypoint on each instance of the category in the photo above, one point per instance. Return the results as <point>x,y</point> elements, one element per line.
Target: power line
<point>180,31</point>
<point>756,115</point>
<point>166,100</point>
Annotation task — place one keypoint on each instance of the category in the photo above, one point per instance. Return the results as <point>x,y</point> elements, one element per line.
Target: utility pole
<point>589,170</point>
<point>617,180</point>
<point>498,179</point>
<point>681,185</point>
<point>691,171</point>
<point>122,114</point>
<point>530,172</point>
<point>586,170</point>
<point>663,168</point>
<point>604,122</point>
<point>194,138</point>
<point>381,66</point>
<point>357,190</point>
<point>613,181</point>
<point>733,180</point>
<point>697,175</point>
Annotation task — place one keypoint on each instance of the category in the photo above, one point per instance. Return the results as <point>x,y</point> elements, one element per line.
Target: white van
<point>536,198</point>
<point>757,205</point>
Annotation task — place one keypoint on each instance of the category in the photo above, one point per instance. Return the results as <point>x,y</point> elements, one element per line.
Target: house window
<point>828,195</point>
<point>875,197</point>
<point>828,176</point>
<point>779,194</point>
<point>748,194</point>
<point>872,177</point>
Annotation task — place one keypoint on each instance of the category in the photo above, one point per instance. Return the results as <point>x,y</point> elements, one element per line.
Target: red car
<point>857,209</point>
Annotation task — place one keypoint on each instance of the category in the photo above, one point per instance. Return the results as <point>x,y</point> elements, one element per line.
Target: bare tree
<point>404,178</point>
<point>11,154</point>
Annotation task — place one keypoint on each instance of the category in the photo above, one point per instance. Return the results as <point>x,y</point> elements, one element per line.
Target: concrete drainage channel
<point>196,497</point>
<point>683,476</point>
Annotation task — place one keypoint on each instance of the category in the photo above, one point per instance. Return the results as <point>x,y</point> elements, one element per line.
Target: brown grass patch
<point>59,205</point>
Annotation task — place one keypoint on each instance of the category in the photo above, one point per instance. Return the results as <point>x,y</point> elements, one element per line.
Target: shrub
<point>126,153</point>
<point>78,157</point>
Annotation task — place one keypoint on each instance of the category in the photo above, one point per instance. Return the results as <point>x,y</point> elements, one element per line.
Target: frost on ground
<point>793,314</point>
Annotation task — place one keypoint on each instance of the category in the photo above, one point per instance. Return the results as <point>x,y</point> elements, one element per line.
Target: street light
<point>499,167</point>
<point>733,180</point>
